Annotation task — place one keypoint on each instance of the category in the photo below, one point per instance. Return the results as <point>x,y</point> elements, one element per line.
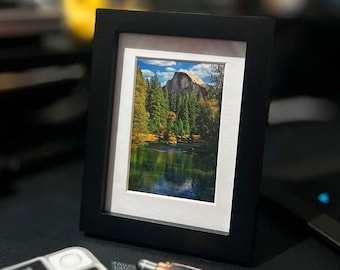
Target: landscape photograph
<point>175,128</point>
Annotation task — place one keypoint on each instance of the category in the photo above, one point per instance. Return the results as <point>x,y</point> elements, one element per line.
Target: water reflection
<point>173,170</point>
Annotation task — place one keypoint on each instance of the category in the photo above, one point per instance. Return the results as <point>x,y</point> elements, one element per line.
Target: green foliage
<point>140,116</point>
<point>193,108</point>
<point>209,119</point>
<point>183,115</point>
<point>217,77</point>
<point>156,100</point>
<point>149,164</point>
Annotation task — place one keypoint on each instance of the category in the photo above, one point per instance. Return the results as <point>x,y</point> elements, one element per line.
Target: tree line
<point>174,117</point>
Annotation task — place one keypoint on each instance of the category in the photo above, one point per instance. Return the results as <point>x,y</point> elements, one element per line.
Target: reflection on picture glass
<point>175,129</point>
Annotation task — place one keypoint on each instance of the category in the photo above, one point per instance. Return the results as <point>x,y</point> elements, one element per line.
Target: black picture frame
<point>111,25</point>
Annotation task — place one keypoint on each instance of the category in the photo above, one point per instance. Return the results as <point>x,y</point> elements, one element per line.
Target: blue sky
<point>165,69</point>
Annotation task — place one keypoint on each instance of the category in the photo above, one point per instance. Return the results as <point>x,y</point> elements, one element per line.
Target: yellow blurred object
<point>284,8</point>
<point>80,15</point>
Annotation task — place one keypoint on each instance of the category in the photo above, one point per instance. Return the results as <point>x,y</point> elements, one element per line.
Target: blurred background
<point>45,62</point>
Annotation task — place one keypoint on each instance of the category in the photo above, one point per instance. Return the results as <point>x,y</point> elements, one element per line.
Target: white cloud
<point>184,70</point>
<point>165,76</point>
<point>147,73</point>
<point>170,69</point>
<point>162,63</point>
<point>202,70</point>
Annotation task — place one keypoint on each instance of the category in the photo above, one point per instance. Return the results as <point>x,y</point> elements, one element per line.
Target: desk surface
<point>39,214</point>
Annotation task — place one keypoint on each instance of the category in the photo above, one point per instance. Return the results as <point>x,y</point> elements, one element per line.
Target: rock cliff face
<point>185,82</point>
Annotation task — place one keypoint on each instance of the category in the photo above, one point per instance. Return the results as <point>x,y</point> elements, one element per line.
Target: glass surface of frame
<point>173,170</point>
<point>176,124</point>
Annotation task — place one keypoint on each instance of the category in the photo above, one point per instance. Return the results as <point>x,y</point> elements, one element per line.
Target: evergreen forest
<point>173,118</point>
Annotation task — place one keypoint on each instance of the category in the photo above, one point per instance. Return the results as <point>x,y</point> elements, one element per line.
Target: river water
<point>173,170</point>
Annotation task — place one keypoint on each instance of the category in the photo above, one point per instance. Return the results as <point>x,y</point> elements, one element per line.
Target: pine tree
<point>180,127</point>
<point>172,102</point>
<point>165,106</point>
<point>156,100</point>
<point>193,112</point>
<point>185,116</point>
<point>217,78</point>
<point>140,115</point>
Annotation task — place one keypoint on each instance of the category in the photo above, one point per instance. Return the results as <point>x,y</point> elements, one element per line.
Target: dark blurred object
<point>43,89</point>
<point>44,107</point>
<point>23,18</point>
<point>301,174</point>
<point>292,8</point>
<point>9,4</point>
<point>306,58</point>
<point>220,7</point>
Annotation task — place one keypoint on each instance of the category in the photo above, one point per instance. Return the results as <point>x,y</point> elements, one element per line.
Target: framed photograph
<point>176,125</point>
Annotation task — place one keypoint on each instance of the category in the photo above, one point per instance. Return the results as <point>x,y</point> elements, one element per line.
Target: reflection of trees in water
<point>172,172</point>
